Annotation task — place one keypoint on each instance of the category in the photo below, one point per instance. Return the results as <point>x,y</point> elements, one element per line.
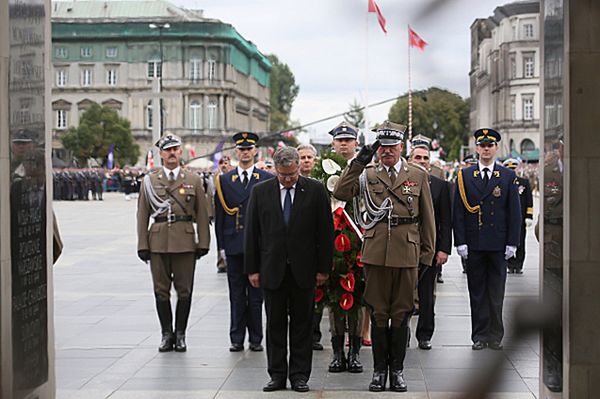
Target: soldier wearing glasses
<point>399,236</point>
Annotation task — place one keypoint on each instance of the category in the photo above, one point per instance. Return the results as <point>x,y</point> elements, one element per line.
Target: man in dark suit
<point>440,194</point>
<point>289,250</point>
<point>515,265</point>
<point>233,192</point>
<point>487,225</point>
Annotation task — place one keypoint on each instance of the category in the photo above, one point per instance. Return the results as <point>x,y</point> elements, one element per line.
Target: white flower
<point>330,167</point>
<point>331,182</point>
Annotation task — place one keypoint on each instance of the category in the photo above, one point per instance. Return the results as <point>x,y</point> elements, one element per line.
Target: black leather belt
<point>173,219</point>
<point>397,220</point>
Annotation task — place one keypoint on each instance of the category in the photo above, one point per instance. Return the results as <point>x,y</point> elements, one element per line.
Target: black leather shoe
<point>519,271</point>
<point>317,346</point>
<point>439,279</point>
<point>236,348</point>
<point>378,381</point>
<point>477,346</point>
<point>256,347</point>
<point>397,383</point>
<point>180,345</point>
<point>300,386</point>
<point>166,342</point>
<point>274,385</point>
<point>425,344</point>
<point>495,345</point>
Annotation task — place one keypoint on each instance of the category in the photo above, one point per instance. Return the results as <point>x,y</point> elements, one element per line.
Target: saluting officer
<point>233,193</point>
<point>487,225</point>
<point>399,235</point>
<point>175,199</point>
<point>515,265</point>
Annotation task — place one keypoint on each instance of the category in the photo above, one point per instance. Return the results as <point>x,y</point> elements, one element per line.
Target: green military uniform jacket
<point>407,244</point>
<point>180,236</point>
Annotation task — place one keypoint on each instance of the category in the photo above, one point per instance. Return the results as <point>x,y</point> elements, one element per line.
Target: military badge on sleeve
<point>497,192</point>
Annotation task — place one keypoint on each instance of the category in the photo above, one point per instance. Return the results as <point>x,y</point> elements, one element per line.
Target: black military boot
<point>182,314</point>
<point>165,316</point>
<point>399,337</point>
<point>379,346</point>
<point>338,364</point>
<point>354,364</point>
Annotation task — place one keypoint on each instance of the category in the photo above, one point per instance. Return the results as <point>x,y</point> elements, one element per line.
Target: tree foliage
<point>438,114</point>
<point>99,127</point>
<point>284,91</point>
<point>355,115</point>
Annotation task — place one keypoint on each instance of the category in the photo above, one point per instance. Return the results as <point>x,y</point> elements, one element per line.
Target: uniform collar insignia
<point>234,177</point>
<point>256,175</point>
<point>476,173</point>
<point>497,173</point>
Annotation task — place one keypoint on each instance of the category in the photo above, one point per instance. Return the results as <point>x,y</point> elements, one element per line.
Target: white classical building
<point>505,77</point>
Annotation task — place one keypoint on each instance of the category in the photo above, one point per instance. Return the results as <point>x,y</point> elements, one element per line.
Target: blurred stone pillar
<point>570,218</point>
<point>26,317</point>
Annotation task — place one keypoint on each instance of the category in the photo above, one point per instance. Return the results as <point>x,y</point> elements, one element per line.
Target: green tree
<point>438,114</point>
<point>355,115</point>
<point>284,91</point>
<point>99,127</point>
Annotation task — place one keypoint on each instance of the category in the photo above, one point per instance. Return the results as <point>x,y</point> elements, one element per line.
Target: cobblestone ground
<point>106,329</point>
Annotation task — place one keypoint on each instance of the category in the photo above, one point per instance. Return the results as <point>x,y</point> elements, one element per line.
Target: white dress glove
<point>463,251</point>
<point>511,252</point>
<point>528,222</point>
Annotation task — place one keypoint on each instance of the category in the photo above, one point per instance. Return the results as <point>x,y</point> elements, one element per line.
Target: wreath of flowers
<point>345,286</point>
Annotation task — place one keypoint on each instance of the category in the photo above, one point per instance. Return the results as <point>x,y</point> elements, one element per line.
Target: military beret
<point>486,136</point>
<point>168,141</point>
<point>344,130</point>
<point>245,139</point>
<point>389,133</point>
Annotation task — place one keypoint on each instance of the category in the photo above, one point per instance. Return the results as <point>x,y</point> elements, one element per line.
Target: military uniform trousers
<point>175,268</point>
<point>486,280</point>
<point>389,292</point>
<point>245,304</point>
<point>516,263</point>
<point>338,321</point>
<point>426,293</point>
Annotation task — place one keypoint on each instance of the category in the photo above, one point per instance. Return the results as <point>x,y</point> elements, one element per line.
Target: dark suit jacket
<point>526,198</point>
<point>230,236</point>
<point>500,211</point>
<point>306,244</point>
<point>440,194</point>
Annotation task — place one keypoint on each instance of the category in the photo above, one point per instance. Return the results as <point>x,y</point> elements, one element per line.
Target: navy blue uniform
<point>245,301</point>
<point>489,222</point>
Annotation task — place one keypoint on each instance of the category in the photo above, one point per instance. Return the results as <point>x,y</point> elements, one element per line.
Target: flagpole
<point>366,112</point>
<point>409,99</point>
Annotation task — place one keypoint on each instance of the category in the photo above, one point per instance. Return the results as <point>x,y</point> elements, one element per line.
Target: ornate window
<point>196,115</point>
<point>195,69</point>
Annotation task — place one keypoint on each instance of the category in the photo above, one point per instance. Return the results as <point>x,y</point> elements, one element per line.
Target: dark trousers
<point>245,303</point>
<point>425,288</point>
<point>316,333</point>
<point>297,303</point>
<point>486,279</point>
<point>516,263</point>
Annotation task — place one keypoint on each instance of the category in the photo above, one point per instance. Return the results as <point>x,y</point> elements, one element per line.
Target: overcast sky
<point>325,44</point>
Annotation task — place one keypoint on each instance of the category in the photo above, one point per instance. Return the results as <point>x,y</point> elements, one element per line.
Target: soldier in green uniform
<point>175,199</point>
<point>399,235</point>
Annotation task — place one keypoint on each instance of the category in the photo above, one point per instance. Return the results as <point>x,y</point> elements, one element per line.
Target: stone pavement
<point>107,331</point>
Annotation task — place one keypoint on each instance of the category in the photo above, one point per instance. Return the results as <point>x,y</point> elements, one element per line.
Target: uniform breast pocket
<point>160,191</point>
<point>376,188</point>
<point>190,194</point>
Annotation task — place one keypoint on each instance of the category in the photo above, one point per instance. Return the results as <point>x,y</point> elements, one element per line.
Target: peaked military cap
<point>389,133</point>
<point>344,130</point>
<point>486,136</point>
<point>22,136</point>
<point>245,139</point>
<point>168,141</point>
<point>421,141</point>
<point>471,159</point>
<point>511,163</point>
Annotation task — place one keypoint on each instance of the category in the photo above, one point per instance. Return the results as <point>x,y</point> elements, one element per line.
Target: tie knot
<point>171,176</point>
<point>485,170</point>
<point>245,173</point>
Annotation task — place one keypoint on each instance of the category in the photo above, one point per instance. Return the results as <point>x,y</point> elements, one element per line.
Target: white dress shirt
<point>282,192</point>
<point>241,170</point>
<point>175,172</point>
<point>398,166</point>
<point>489,167</point>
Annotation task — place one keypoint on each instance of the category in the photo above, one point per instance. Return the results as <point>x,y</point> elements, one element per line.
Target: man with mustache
<point>399,238</point>
<point>175,199</point>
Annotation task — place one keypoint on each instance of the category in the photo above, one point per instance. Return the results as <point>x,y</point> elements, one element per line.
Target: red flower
<point>359,259</point>
<point>319,295</point>
<point>339,220</point>
<point>342,243</point>
<point>348,282</point>
<point>346,301</point>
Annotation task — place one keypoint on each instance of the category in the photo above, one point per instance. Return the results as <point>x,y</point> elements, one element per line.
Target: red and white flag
<point>150,160</point>
<point>192,153</point>
<point>415,40</point>
<point>373,7</point>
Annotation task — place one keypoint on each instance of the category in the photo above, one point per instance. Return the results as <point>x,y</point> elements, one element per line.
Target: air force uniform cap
<point>344,131</point>
<point>168,141</point>
<point>511,163</point>
<point>245,139</point>
<point>421,141</point>
<point>486,136</point>
<point>389,133</point>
